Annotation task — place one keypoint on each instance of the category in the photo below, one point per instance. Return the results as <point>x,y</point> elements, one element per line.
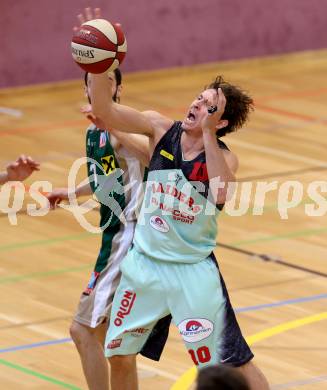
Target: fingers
<point>88,13</point>
<point>81,19</point>
<point>54,200</point>
<point>32,163</point>
<point>22,159</point>
<point>86,109</point>
<point>97,13</point>
<point>91,118</point>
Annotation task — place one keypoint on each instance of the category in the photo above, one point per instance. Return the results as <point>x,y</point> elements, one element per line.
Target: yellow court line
<point>188,378</point>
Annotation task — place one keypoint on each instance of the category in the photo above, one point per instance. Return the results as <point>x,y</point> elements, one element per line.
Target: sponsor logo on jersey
<point>114,343</point>
<point>178,178</point>
<point>125,308</point>
<point>199,172</point>
<point>92,283</point>
<point>103,139</point>
<point>177,215</point>
<point>195,329</point>
<point>167,155</point>
<point>173,191</point>
<point>183,217</point>
<point>108,164</point>
<point>138,332</point>
<point>159,224</point>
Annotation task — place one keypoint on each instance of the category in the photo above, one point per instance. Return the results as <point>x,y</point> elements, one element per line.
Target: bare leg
<point>123,372</point>
<point>254,376</point>
<point>89,343</point>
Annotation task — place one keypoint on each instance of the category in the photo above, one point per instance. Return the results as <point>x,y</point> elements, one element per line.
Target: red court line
<point>83,122</point>
<point>289,114</point>
<point>302,94</point>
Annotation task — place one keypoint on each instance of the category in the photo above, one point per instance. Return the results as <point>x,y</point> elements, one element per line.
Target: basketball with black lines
<point>99,46</point>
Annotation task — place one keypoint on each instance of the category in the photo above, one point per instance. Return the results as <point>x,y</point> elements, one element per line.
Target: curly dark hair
<point>238,105</point>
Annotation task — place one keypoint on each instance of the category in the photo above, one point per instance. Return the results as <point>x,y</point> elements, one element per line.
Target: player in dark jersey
<point>107,152</point>
<point>19,170</point>
<point>171,267</point>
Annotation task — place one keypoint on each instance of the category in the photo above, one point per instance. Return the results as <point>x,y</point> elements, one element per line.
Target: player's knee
<point>122,363</point>
<point>79,333</point>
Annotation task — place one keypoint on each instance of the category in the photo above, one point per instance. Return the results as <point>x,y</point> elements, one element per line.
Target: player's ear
<point>119,91</point>
<point>222,123</point>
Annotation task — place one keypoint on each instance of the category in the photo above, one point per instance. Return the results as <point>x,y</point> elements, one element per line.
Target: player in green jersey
<point>107,152</point>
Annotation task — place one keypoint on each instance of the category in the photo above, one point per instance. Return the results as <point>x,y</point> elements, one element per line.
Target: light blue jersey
<point>176,222</point>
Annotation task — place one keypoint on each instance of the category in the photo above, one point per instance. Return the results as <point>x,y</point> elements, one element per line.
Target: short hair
<point>117,73</point>
<point>221,377</point>
<point>238,105</point>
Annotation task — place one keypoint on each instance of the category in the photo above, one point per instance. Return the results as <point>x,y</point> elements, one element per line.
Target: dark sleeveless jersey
<point>177,220</point>
<point>168,155</point>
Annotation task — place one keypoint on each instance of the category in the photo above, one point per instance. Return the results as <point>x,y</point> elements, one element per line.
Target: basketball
<point>99,46</point>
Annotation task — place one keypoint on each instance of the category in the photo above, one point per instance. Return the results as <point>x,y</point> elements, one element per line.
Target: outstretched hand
<point>22,168</point>
<point>57,196</point>
<point>88,14</point>
<point>87,111</point>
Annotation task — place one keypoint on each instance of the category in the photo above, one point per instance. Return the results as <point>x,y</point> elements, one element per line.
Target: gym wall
<point>35,34</point>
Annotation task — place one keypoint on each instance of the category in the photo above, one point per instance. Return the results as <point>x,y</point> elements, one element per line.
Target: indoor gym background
<point>276,51</point>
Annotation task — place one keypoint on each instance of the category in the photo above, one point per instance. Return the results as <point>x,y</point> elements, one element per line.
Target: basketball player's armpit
<point>136,144</point>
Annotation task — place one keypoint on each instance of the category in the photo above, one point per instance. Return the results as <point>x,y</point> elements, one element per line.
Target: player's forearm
<point>136,144</point>
<point>115,115</point>
<point>83,190</point>
<point>218,170</point>
<point>101,96</point>
<point>3,177</point>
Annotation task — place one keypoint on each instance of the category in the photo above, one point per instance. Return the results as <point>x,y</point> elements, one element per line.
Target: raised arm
<point>221,164</point>
<point>115,115</point>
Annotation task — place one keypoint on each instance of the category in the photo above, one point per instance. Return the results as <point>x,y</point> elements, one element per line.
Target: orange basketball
<point>99,46</point>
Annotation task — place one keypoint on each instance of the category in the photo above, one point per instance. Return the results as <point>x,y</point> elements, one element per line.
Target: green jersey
<point>101,163</point>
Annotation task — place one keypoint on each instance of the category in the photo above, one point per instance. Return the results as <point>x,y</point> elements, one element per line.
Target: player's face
<point>115,92</point>
<point>199,110</point>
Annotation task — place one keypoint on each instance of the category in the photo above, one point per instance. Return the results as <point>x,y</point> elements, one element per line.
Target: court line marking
<point>60,126</point>
<point>281,174</point>
<point>20,245</point>
<point>182,381</point>
<point>157,371</point>
<point>187,379</point>
<point>82,236</point>
<point>35,275</point>
<point>237,310</point>
<point>271,259</point>
<point>278,152</point>
<point>282,303</point>
<point>11,112</point>
<point>289,114</point>
<point>38,375</point>
<point>298,233</point>
<point>287,95</point>
<point>302,382</point>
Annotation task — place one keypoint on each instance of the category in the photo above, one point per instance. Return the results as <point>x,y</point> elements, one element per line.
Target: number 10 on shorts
<point>201,355</point>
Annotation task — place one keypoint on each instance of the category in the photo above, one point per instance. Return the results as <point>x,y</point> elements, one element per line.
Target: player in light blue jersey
<point>171,267</point>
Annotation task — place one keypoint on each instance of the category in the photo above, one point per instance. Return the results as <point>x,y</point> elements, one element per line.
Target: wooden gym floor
<point>45,262</point>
